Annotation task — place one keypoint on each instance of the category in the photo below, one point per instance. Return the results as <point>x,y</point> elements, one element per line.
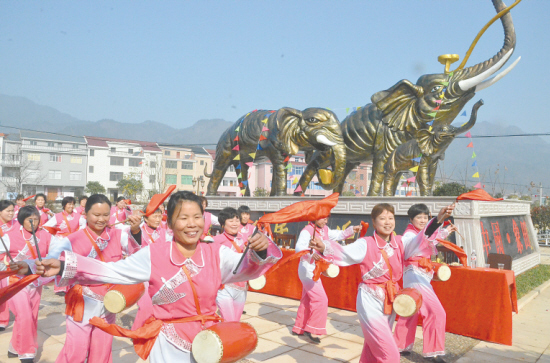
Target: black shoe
<point>315,340</point>
<point>2,328</point>
<point>244,312</point>
<point>12,355</point>
<point>60,293</point>
<point>437,359</point>
<point>405,353</point>
<point>27,360</point>
<point>294,333</point>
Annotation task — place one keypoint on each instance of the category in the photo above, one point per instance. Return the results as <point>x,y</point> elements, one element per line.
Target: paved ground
<point>273,318</point>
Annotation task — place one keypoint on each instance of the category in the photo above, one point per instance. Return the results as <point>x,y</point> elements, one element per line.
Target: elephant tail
<point>206,174</point>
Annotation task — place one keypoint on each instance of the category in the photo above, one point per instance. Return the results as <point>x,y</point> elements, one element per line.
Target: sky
<point>176,62</point>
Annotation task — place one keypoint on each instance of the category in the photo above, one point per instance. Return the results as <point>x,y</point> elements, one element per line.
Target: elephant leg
<point>347,170</point>
<point>309,173</point>
<point>244,173</point>
<point>432,171</point>
<point>218,172</point>
<point>422,176</point>
<point>278,181</point>
<point>391,181</point>
<point>377,177</point>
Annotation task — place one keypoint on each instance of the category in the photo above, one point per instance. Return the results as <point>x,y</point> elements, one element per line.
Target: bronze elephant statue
<point>436,142</point>
<point>288,131</point>
<point>405,111</point>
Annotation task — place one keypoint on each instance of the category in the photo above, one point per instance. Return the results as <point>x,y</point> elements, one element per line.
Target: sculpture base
<point>503,227</point>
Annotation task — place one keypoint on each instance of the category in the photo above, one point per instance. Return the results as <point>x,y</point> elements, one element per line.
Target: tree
<point>130,185</point>
<point>153,170</point>
<point>95,187</point>
<point>20,169</point>
<point>450,189</point>
<point>261,192</point>
<point>526,197</point>
<point>541,218</point>
<point>348,193</point>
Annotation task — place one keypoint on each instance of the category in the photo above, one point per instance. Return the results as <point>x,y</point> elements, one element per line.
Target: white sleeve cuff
<point>70,268</point>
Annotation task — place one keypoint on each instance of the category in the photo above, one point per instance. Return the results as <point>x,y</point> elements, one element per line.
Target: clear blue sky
<point>180,61</point>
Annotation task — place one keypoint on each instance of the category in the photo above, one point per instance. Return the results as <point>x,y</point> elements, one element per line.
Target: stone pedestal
<point>488,227</point>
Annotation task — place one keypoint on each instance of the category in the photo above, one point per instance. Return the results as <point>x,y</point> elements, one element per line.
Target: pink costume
<point>145,305</point>
<point>44,216</point>
<point>432,312</point>
<point>25,304</point>
<point>119,215</point>
<point>209,220</point>
<point>165,268</point>
<point>232,296</point>
<point>246,231</point>
<point>80,210</point>
<point>82,339</point>
<point>4,311</point>
<point>67,223</point>
<point>16,211</point>
<point>313,310</point>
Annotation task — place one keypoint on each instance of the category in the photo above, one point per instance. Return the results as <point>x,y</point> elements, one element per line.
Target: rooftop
<point>103,142</point>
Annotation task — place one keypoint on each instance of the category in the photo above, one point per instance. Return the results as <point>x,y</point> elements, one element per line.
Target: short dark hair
<point>243,209</point>
<point>40,195</point>
<point>119,199</point>
<point>26,212</point>
<point>19,197</point>
<point>379,208</point>
<point>82,197</point>
<point>417,209</point>
<point>96,199</point>
<point>177,199</point>
<point>67,200</point>
<point>5,204</point>
<point>203,200</point>
<point>227,213</point>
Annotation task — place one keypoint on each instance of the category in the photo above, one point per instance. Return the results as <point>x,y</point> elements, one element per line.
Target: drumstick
<point>35,242</point>
<point>6,248</point>
<point>124,221</point>
<point>245,251</point>
<point>451,223</point>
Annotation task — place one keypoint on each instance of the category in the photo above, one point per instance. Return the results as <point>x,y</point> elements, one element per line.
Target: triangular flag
<point>412,179</point>
<point>451,74</point>
<point>238,157</point>
<point>238,128</point>
<point>356,191</point>
<point>272,111</point>
<point>358,108</point>
<point>404,185</point>
<point>347,109</point>
<point>471,144</point>
<point>414,169</point>
<point>245,182</point>
<point>262,138</point>
<point>241,185</point>
<point>430,123</point>
<point>286,159</point>
<point>442,95</point>
<point>478,186</point>
<point>238,166</point>
<point>475,163</point>
<point>474,155</point>
<point>295,181</point>
<point>259,147</point>
<point>249,164</point>
<point>240,175</point>
<point>445,83</point>
<point>298,189</point>
<point>416,159</point>
<point>468,134</point>
<point>236,138</point>
<point>265,129</point>
<point>438,102</point>
<point>409,193</point>
<point>255,110</point>
<point>463,113</point>
<point>243,191</point>
<point>430,129</point>
<point>252,155</point>
<point>236,148</point>
<point>351,187</point>
<point>288,166</point>
<point>436,109</point>
<point>264,121</point>
<point>476,175</point>
<point>432,114</point>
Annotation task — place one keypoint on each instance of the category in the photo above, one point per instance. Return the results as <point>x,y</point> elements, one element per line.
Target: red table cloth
<point>478,302</point>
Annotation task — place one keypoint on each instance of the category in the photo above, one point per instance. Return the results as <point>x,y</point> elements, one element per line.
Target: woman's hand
<point>317,244</point>
<point>48,268</point>
<point>356,229</point>
<point>452,228</point>
<point>316,256</point>
<point>445,213</point>
<point>258,242</point>
<point>135,221</point>
<point>21,267</point>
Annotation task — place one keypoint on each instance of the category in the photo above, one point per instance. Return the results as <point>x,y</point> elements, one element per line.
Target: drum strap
<point>389,286</point>
<point>201,317</point>
<point>96,248</point>
<point>66,221</point>
<point>30,247</point>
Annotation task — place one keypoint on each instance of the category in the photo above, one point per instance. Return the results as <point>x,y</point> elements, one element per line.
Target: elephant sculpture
<point>436,142</point>
<point>285,132</point>
<point>405,111</point>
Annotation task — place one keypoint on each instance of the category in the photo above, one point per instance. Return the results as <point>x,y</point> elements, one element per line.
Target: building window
<point>178,154</point>
<point>202,162</point>
<point>75,146</point>
<point>91,169</point>
<point>166,153</point>
<point>51,144</point>
<point>152,179</point>
<point>271,169</point>
<point>115,176</point>
<point>33,157</point>
<point>361,176</point>
<point>231,168</point>
<point>171,164</point>
<point>186,165</point>
<point>33,143</point>
<point>76,160</point>
<point>130,151</point>
<point>54,174</point>
<point>117,161</point>
<point>362,189</point>
<point>134,162</point>
<point>75,175</point>
<point>187,180</point>
<point>56,158</point>
<point>296,160</point>
<point>171,179</point>
<point>152,164</point>
<point>113,149</point>
<point>297,170</point>
<point>92,152</point>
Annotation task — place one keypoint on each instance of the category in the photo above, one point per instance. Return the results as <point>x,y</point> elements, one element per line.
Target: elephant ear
<point>426,141</point>
<point>288,120</point>
<point>397,106</point>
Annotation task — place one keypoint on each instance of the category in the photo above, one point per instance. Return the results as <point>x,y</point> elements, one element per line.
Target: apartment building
<point>110,160</point>
<point>184,167</point>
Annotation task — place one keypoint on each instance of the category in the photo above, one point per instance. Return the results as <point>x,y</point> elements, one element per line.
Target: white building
<point>110,160</point>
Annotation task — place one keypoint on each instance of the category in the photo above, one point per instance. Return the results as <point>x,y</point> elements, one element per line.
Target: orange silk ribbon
<point>75,303</point>
<point>286,260</point>
<point>426,264</point>
<point>459,252</point>
<point>389,286</point>
<point>320,266</point>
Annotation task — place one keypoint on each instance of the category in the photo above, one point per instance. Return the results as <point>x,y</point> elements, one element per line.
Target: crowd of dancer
<point>193,281</point>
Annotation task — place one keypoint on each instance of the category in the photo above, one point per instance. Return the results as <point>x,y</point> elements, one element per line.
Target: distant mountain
<point>514,160</point>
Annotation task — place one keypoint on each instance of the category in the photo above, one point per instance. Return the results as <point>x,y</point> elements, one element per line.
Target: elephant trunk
<point>206,174</point>
<point>473,117</point>
<point>474,75</point>
<point>338,155</point>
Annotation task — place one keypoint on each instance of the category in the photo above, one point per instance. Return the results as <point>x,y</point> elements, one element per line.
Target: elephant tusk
<point>322,139</point>
<point>495,79</point>
<point>474,81</point>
